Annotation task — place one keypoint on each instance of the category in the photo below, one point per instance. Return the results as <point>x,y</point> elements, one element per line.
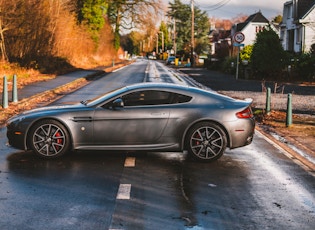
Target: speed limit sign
<point>239,37</point>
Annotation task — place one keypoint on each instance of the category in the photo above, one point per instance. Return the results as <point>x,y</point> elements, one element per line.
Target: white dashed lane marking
<point>124,192</point>
<point>124,189</point>
<point>130,162</point>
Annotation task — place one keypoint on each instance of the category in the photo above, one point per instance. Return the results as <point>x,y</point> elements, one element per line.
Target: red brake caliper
<point>197,136</point>
<point>59,140</point>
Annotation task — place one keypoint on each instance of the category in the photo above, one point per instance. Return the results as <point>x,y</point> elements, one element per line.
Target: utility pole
<point>174,36</point>
<point>157,44</point>
<point>192,33</point>
<point>162,41</point>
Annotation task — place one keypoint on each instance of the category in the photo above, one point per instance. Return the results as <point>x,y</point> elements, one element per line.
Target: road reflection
<point>174,190</point>
<point>76,191</point>
<point>168,189</point>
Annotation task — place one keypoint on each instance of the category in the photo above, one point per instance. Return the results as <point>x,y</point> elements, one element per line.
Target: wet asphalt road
<point>255,187</point>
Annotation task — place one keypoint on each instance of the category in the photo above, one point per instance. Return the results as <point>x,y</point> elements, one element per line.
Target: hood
<point>52,108</point>
<point>41,111</point>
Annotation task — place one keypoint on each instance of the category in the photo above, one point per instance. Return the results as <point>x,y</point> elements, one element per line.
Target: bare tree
<point>3,52</point>
<point>129,14</point>
<point>3,29</point>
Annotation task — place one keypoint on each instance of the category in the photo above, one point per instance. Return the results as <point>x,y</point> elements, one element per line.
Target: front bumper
<point>15,137</point>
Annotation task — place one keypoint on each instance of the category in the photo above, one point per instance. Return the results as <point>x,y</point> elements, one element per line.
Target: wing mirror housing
<point>118,103</point>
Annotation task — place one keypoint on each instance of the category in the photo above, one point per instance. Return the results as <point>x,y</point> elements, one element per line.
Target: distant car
<point>146,116</point>
<point>152,57</point>
<point>170,60</point>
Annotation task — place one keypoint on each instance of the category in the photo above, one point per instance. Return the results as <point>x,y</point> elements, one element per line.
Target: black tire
<point>206,141</point>
<point>49,139</point>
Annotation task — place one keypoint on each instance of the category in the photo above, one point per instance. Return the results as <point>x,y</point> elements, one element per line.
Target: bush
<point>212,63</point>
<point>229,65</point>
<point>306,67</point>
<point>267,55</point>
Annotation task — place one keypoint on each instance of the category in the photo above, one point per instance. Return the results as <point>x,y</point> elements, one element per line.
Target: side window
<point>153,97</point>
<point>180,98</point>
<point>147,97</point>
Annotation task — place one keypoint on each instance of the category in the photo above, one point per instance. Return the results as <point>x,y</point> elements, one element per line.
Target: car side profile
<point>146,116</point>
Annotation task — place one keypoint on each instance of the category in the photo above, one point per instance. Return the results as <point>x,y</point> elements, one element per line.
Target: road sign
<point>239,37</point>
<point>238,44</point>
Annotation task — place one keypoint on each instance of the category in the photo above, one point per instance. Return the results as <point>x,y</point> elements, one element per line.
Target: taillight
<point>246,113</point>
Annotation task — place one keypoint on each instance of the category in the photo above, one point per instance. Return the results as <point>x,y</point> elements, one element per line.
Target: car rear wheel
<point>49,139</point>
<point>206,141</point>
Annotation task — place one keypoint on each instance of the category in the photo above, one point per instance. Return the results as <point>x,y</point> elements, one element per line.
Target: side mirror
<point>118,103</point>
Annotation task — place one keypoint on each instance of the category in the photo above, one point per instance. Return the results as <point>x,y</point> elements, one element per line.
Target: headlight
<point>15,119</point>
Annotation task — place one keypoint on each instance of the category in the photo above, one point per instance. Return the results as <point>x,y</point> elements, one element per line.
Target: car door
<point>141,120</point>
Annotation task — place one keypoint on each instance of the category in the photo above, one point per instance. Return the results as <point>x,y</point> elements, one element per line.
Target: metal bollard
<point>289,111</point>
<point>5,100</point>
<point>268,100</point>
<point>14,89</point>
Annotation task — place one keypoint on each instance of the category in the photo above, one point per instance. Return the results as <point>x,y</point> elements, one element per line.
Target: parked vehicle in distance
<point>170,60</point>
<point>146,116</point>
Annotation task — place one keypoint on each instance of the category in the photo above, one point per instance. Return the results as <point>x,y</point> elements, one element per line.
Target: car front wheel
<point>206,141</point>
<point>49,139</point>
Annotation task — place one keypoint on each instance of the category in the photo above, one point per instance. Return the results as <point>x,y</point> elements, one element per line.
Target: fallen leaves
<point>42,98</point>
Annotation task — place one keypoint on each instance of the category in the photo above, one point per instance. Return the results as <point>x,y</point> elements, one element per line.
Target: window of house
<point>298,35</point>
<point>289,11</point>
<point>259,29</point>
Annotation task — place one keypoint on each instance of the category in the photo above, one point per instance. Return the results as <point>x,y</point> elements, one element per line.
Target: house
<point>298,25</point>
<point>219,41</point>
<point>254,24</point>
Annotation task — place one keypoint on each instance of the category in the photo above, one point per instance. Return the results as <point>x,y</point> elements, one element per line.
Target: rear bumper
<point>242,133</point>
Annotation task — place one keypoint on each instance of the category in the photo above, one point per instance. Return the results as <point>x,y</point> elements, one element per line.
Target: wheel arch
<point>27,138</point>
<point>228,137</point>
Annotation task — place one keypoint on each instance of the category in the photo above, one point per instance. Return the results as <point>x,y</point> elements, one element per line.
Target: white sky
<point>232,8</point>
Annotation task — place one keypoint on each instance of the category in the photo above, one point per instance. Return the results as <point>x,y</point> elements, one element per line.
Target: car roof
<point>157,86</point>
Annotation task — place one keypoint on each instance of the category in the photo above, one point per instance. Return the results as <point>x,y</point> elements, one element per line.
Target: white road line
<point>124,189</point>
<point>124,192</point>
<point>130,162</point>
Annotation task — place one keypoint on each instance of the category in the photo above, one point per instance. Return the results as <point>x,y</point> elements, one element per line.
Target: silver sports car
<point>146,116</point>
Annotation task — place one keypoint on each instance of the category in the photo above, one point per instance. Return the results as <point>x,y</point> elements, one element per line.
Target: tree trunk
<point>4,56</point>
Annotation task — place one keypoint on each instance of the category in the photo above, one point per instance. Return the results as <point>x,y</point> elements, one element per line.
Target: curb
<point>288,151</point>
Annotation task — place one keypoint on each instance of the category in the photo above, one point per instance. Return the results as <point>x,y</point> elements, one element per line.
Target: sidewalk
<point>40,87</point>
<point>31,90</point>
